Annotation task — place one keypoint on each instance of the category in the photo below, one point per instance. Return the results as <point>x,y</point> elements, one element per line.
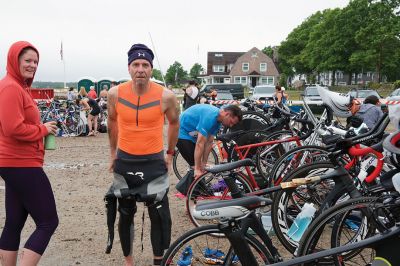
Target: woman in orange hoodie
<point>28,190</point>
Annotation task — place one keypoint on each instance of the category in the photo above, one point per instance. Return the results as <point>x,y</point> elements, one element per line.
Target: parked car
<point>362,94</point>
<point>394,96</point>
<point>224,95</point>
<point>263,92</point>
<point>236,90</point>
<point>311,94</point>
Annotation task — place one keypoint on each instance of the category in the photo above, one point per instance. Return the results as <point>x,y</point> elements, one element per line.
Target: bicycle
<point>287,204</point>
<point>210,186</point>
<point>68,120</point>
<point>235,216</point>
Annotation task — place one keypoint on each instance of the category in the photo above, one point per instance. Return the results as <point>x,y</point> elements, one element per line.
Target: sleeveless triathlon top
<point>140,120</point>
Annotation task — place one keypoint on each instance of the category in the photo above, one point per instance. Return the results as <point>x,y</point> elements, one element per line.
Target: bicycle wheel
<point>266,156</point>
<point>208,188</point>
<point>72,124</point>
<point>200,247</point>
<point>81,127</point>
<point>250,121</point>
<point>347,222</point>
<point>287,203</point>
<point>181,167</point>
<point>295,158</point>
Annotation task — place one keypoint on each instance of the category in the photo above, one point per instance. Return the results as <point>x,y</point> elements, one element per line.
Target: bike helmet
<point>392,145</point>
<point>339,103</point>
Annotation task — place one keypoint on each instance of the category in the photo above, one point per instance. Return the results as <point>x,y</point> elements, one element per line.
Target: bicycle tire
<point>251,120</point>
<point>181,167</point>
<point>72,124</point>
<point>265,160</point>
<point>290,160</point>
<point>308,244</point>
<point>282,213</point>
<point>205,188</point>
<point>173,252</point>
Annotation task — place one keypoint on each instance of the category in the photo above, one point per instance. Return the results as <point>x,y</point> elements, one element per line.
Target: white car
<point>263,92</point>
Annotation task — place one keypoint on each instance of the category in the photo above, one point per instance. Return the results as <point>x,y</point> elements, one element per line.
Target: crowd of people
<point>91,104</point>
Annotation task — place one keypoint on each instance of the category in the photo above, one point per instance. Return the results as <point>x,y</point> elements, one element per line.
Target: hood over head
<point>13,62</point>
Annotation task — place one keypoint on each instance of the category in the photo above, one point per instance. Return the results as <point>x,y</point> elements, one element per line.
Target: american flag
<point>61,52</point>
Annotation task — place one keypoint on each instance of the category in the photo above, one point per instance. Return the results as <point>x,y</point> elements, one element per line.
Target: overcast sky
<point>97,34</point>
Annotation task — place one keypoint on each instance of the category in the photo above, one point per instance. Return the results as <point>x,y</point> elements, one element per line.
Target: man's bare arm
<point>112,126</point>
<point>171,112</point>
<point>198,154</point>
<point>207,149</point>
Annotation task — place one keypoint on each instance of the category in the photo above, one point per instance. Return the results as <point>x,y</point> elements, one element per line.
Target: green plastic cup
<point>50,142</point>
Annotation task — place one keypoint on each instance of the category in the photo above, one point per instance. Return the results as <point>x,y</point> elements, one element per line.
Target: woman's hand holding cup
<point>51,127</point>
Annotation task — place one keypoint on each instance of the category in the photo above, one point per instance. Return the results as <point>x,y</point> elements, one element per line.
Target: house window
<point>218,68</point>
<point>263,67</point>
<point>254,54</point>
<point>267,80</point>
<point>245,67</point>
<point>339,75</point>
<point>359,75</point>
<point>219,55</point>
<point>240,80</point>
<point>368,74</point>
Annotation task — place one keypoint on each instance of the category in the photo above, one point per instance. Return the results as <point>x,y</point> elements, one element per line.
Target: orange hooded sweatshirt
<point>21,132</point>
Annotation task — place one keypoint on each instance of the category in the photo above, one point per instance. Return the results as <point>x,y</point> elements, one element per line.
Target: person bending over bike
<point>198,126</point>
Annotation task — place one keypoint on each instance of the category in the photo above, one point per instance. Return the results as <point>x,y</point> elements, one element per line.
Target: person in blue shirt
<point>198,126</point>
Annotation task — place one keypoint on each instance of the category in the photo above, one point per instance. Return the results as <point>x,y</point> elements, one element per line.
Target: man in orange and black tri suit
<point>136,111</point>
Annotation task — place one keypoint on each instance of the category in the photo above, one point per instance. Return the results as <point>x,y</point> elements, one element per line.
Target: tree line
<point>361,37</point>
<point>176,74</point>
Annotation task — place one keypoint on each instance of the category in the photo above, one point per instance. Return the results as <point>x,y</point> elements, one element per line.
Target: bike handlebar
<point>308,124</point>
<point>355,151</point>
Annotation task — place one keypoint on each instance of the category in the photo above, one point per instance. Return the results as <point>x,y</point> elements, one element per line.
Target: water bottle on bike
<point>301,222</point>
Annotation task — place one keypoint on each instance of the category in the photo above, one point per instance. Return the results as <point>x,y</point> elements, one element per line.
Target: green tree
<point>157,74</point>
<point>195,72</point>
<point>291,59</point>
<point>175,73</point>
<point>268,50</point>
<point>380,38</point>
<point>332,43</point>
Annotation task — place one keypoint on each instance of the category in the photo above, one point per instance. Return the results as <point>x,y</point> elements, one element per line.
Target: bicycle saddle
<point>233,208</point>
<point>230,166</point>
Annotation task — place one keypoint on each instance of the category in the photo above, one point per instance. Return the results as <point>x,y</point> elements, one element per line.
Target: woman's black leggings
<point>28,191</point>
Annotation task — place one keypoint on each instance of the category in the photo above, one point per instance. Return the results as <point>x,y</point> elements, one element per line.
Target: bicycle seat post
<point>230,182</point>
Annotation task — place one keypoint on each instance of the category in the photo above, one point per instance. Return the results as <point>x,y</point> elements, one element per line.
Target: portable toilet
<point>104,82</point>
<point>86,82</point>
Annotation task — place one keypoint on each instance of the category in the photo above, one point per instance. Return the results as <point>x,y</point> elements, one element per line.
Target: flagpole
<point>65,81</point>
<point>62,59</point>
<point>158,61</point>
